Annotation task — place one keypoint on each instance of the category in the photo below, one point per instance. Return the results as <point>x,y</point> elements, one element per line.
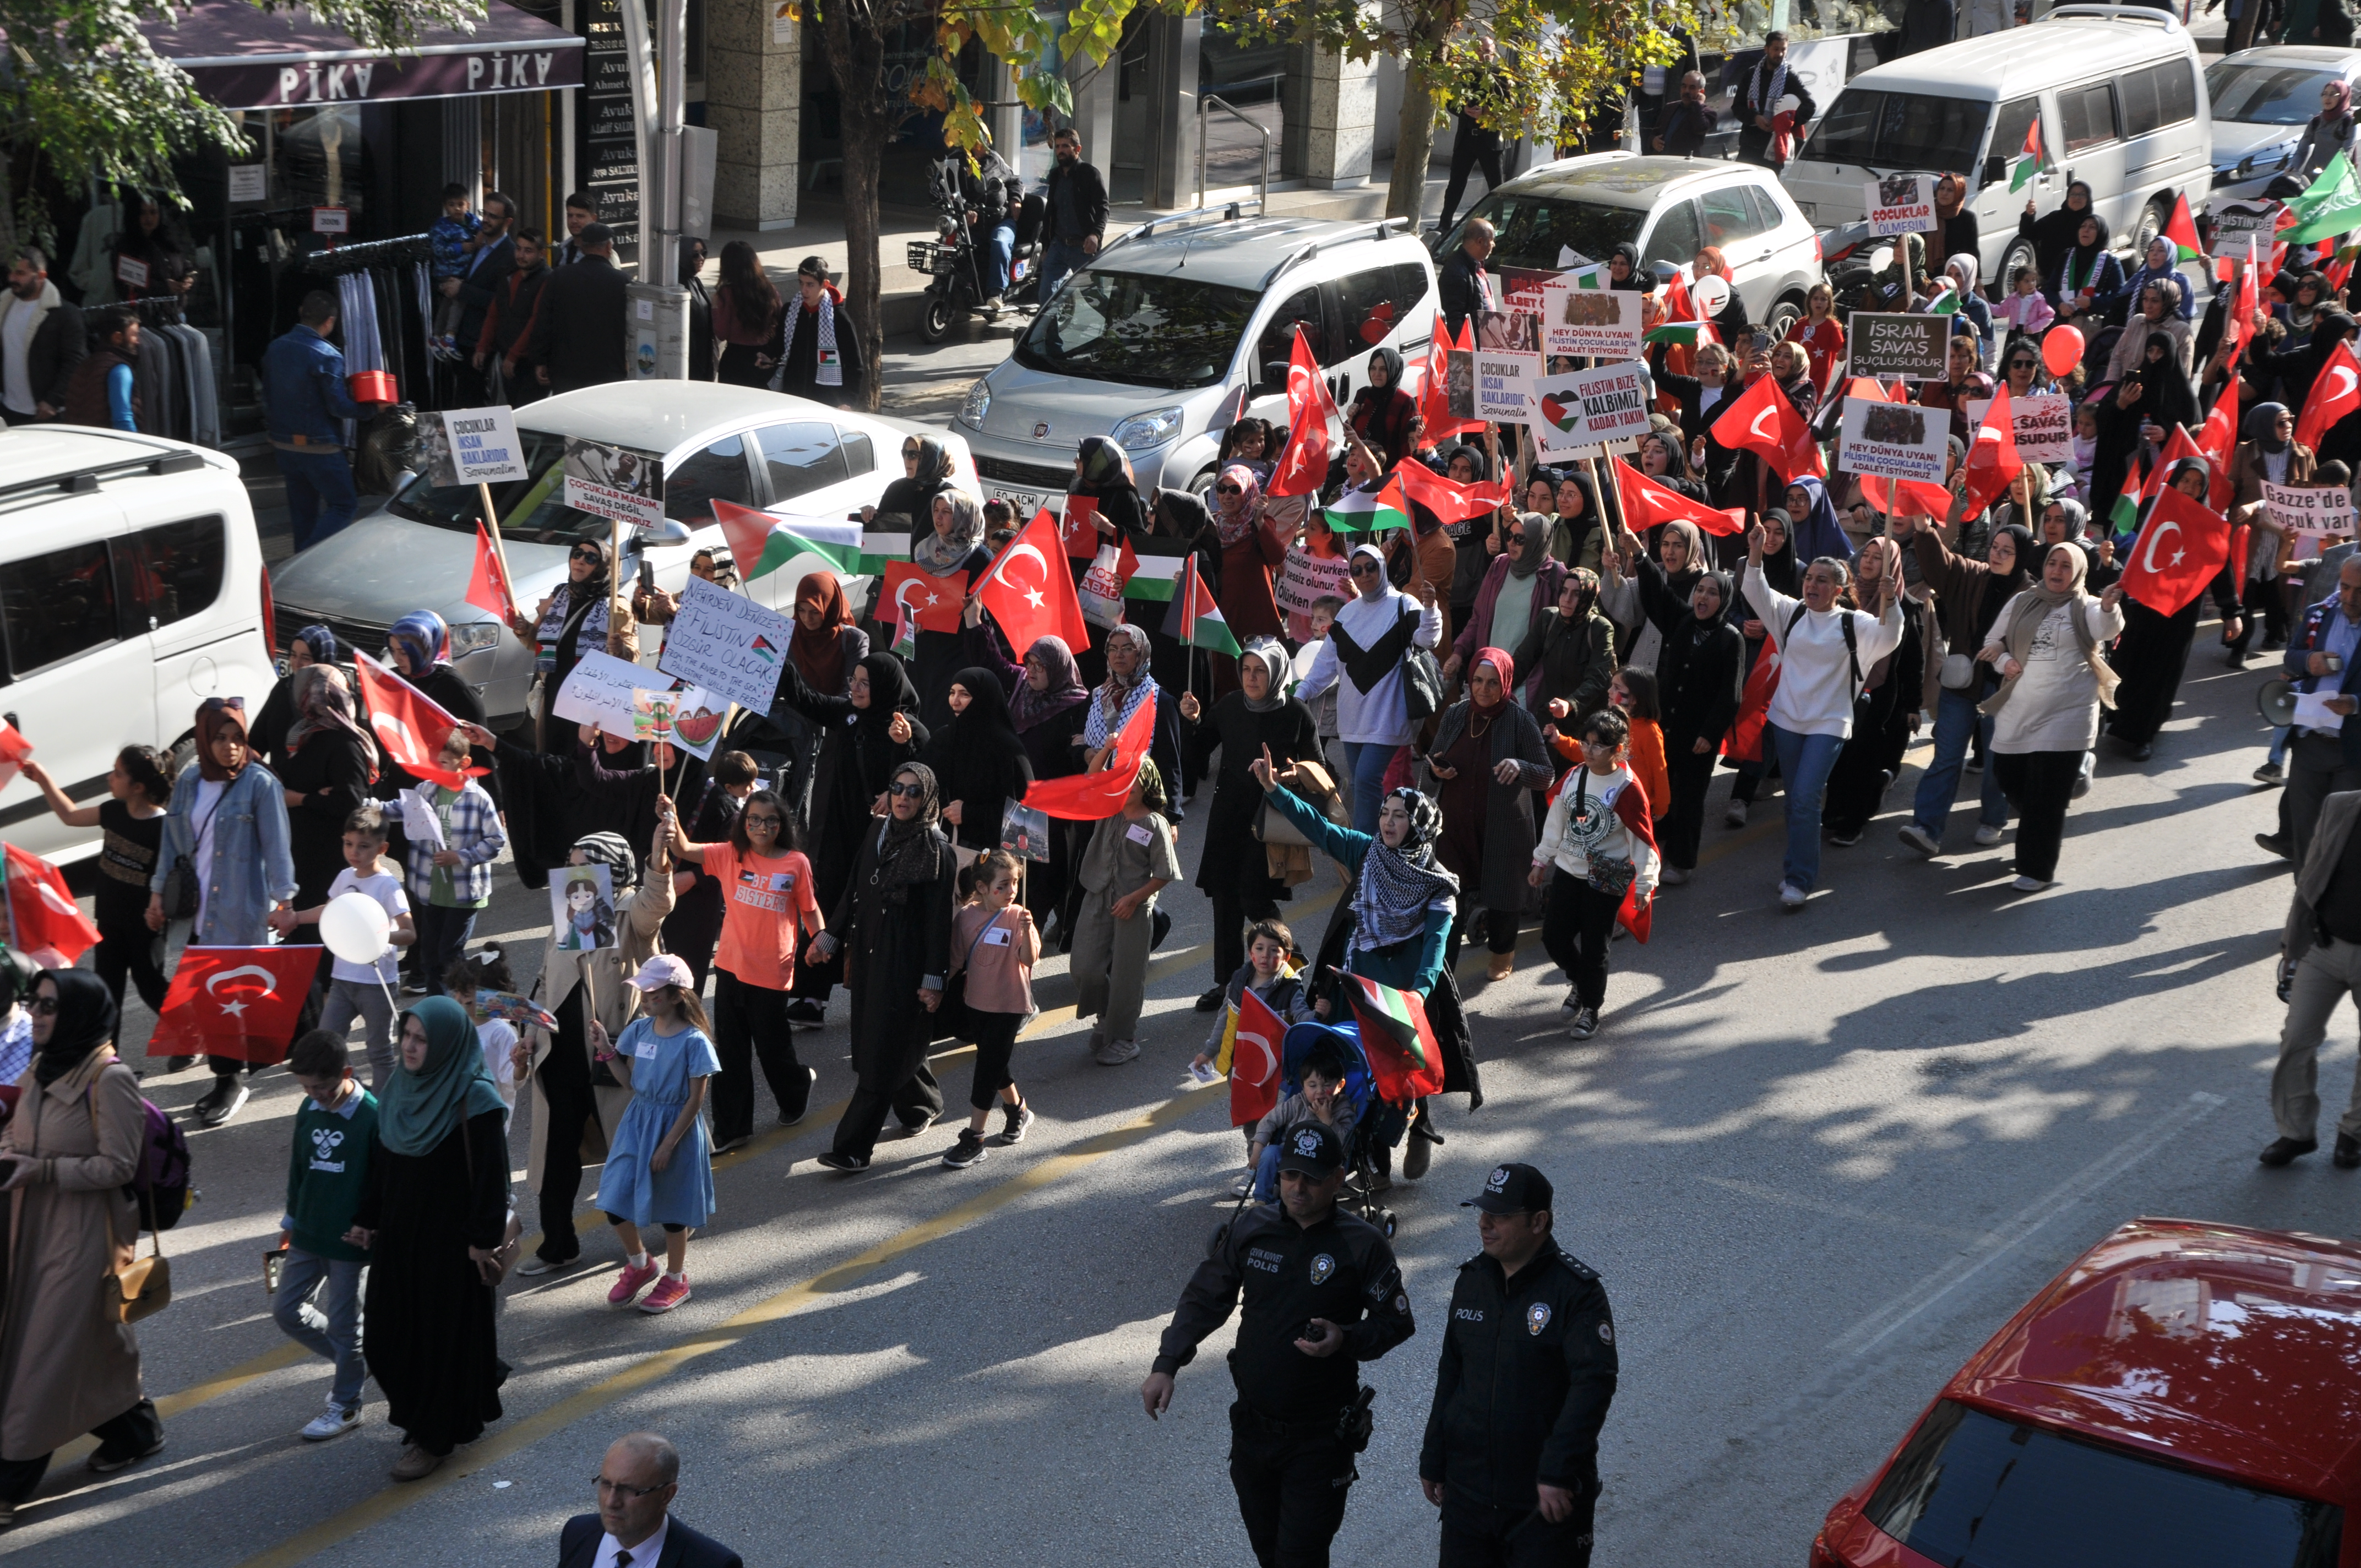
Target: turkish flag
<point>935,601</point>
<point>1077,528</point>
<point>2335,392</point>
<point>1647,503</point>
<point>2219,441</point>
<point>2177,554</point>
<point>1448,501</point>
<point>1434,397</point>
<point>234,1002</point>
<point>1304,466</point>
<point>1992,459</point>
<point>487,585</point>
<point>1257,1043</point>
<point>1744,741</point>
<point>1030,598</point>
<point>14,750</point>
<point>1760,419</point>
<point>1095,797</point>
<point>45,923</point>
<point>410,728</point>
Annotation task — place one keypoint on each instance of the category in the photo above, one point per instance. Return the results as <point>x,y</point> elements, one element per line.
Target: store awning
<point>243,58</point>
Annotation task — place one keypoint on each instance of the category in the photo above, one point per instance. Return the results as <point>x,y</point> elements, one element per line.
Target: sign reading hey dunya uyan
<point>727,644</point>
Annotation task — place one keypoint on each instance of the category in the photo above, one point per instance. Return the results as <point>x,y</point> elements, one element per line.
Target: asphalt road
<point>1816,1157</point>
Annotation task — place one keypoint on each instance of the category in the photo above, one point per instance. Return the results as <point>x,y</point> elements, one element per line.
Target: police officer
<point>1323,1295</point>
<point>1512,1450</point>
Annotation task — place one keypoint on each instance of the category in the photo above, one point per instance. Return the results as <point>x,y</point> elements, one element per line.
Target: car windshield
<point>1891,131</point>
<point>531,511</point>
<point>1140,330</point>
<point>2260,94</point>
<point>1971,1488</point>
<point>1530,231</point>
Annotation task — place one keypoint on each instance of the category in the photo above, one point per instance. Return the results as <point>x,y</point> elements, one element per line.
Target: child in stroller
<point>1326,1079</point>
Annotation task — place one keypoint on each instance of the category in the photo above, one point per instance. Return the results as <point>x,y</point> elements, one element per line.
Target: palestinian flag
<point>2028,164</point>
<point>2181,229</point>
<point>1195,619</point>
<point>2123,516</point>
<point>1944,301</point>
<point>763,648</point>
<point>761,543</point>
<point>1687,335</point>
<point>1363,511</point>
<point>1404,1057</point>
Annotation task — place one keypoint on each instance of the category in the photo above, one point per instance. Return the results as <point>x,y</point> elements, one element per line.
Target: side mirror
<point>671,531</point>
<point>1274,377</point>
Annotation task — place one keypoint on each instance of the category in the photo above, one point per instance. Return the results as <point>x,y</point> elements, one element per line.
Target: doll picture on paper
<point>582,907</point>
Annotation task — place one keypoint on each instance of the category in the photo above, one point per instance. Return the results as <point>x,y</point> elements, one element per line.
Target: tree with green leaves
<point>83,95</point>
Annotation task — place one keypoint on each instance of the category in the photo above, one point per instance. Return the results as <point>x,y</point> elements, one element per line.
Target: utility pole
<point>657,300</point>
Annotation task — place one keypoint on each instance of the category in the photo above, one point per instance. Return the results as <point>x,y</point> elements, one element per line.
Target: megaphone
<point>2275,698</point>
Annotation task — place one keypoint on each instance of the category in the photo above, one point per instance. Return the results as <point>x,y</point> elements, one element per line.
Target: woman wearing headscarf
<point>1258,719</point>
<point>952,549</point>
<point>1813,529</point>
<point>577,1101</point>
<point>1103,476</point>
<point>1887,708</point>
<point>1961,269</point>
<point>419,648</point>
<point>584,615</point>
<point>2153,652</point>
<point>1785,576</point>
<point>312,645</point>
<point>2272,453</point>
<point>1967,597</point>
<point>1791,371</point>
<point>1703,399</point>
<point>2296,369</point>
<point>1362,658</point>
<point>978,760</point>
<point>432,1213</point>
<point>1571,654</point>
<point>1577,536</point>
<point>2162,265</point>
<point>2087,279</point>
<point>2046,647</point>
<point>67,1364</point>
<point>2136,421</point>
<point>330,768</point>
<point>2154,315</point>
<point>1517,591</point>
<point>894,919</point>
<point>2053,233</point>
<point>2021,504</point>
<point>1956,233</point>
<point>1699,670</point>
<point>1129,683</point>
<point>909,501</point>
<point>228,819</point>
<point>2327,133</point>
<point>1486,761</point>
<point>825,647</point>
<point>1383,414</point>
<point>1250,548</point>
<point>1731,320</point>
<point>1473,539</point>
<point>1656,594</point>
<point>1664,459</point>
<point>1047,708</point>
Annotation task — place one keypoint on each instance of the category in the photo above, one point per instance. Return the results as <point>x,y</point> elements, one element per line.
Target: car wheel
<point>2020,253</point>
<point>936,325</point>
<point>1785,315</point>
<point>183,752</point>
<point>2153,217</point>
<point>1202,486</point>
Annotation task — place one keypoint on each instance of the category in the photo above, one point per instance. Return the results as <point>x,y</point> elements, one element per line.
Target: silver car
<point>2262,97</point>
<point>720,442</point>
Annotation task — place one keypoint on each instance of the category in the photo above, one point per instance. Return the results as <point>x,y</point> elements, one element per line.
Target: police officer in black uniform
<point>1323,1295</point>
<point>1512,1450</point>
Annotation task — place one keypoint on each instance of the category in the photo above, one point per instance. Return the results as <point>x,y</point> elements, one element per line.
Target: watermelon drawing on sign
<point>1567,416</point>
<point>698,729</point>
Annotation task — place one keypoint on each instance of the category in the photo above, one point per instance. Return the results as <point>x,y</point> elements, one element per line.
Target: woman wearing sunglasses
<point>581,615</point>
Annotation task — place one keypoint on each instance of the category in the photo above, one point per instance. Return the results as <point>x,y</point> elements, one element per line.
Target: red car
<point>2184,1396</point>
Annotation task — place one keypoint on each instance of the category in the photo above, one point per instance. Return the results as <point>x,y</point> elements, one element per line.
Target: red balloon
<point>2062,349</point>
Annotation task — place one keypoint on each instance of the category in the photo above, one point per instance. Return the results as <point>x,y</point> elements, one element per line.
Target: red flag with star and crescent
<point>1304,466</point>
<point>2177,554</point>
<point>1095,797</point>
<point>234,1002</point>
<point>935,601</point>
<point>1647,503</point>
<point>45,923</point>
<point>1992,457</point>
<point>1760,419</point>
<point>1256,1041</point>
<point>1030,589</point>
<point>487,585</point>
<point>2335,392</point>
<point>410,728</point>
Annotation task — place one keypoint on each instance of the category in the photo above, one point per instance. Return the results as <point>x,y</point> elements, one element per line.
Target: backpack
<point>160,1184</point>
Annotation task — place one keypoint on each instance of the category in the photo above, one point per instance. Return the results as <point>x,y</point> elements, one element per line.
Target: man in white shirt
<point>41,341</point>
<point>633,1527</point>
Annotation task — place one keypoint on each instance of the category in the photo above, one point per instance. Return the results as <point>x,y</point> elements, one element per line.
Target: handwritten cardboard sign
<point>1896,441</point>
<point>1911,347</point>
<point>615,482</point>
<point>1304,579</point>
<point>2043,424</point>
<point>1584,413</point>
<point>727,644</point>
<point>1899,204</point>
<point>470,446</point>
<point>605,691</point>
<point>1600,322</point>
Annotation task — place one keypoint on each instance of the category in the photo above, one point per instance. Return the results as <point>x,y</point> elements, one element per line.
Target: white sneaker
<point>1988,835</point>
<point>1114,1053</point>
<point>1736,816</point>
<point>2029,884</point>
<point>1918,839</point>
<point>331,1423</point>
<point>1791,896</point>
<point>1673,876</point>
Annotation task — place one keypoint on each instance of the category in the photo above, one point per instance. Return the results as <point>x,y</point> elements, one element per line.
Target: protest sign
<point>1504,385</point>
<point>2312,517</point>
<point>1584,413</point>
<point>470,446</point>
<point>1303,579</point>
<point>1910,347</point>
<point>2043,424</point>
<point>605,691</point>
<point>1459,383</point>
<point>729,645</point>
<point>1594,320</point>
<point>2235,222</point>
<point>1899,204</point>
<point>652,714</point>
<point>614,482</point>
<point>1896,441</point>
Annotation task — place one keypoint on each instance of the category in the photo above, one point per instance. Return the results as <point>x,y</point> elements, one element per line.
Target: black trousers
<point>916,1099</point>
<point>1470,152</point>
<point>132,1434</point>
<point>1576,928</point>
<point>1499,930</point>
<point>1232,911</point>
<point>565,1076</point>
<point>1292,1489</point>
<point>1496,1538</point>
<point>133,955</point>
<point>2039,784</point>
<point>2316,770</point>
<point>750,1023</point>
<point>995,1039</point>
<point>1677,835</point>
<point>2266,607</point>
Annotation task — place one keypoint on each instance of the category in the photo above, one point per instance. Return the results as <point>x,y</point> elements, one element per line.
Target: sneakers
<point>632,1281</point>
<point>415,1463</point>
<point>2028,885</point>
<point>1672,876</point>
<point>1211,1000</point>
<point>1114,1053</point>
<point>804,1012</point>
<point>331,1423</point>
<point>832,1160</point>
<point>1097,1042</point>
<point>2271,774</point>
<point>1585,1025</point>
<point>2348,1152</point>
<point>914,1129</point>
<point>1572,1002</point>
<point>1845,839</point>
<point>1987,834</point>
<point>2082,779</point>
<point>1791,897</point>
<point>537,1264</point>
<point>1015,1120</point>
<point>811,1076</point>
<point>1736,816</point>
<point>107,1461</point>
<point>1918,839</point>
<point>2277,1153</point>
<point>221,1101</point>
<point>731,1146</point>
<point>1499,967</point>
<point>966,1151</point>
<point>670,1292</point>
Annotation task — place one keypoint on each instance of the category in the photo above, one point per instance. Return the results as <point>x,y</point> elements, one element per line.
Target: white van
<point>2122,97</point>
<point>131,589</point>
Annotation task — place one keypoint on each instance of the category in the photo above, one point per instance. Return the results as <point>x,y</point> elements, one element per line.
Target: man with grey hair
<point>42,338</point>
<point>633,1527</point>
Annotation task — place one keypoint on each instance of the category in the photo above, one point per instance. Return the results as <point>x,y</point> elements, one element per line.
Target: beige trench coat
<point>609,971</point>
<point>65,1368</point>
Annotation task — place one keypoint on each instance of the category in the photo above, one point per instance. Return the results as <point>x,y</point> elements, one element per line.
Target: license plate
<point>1025,503</point>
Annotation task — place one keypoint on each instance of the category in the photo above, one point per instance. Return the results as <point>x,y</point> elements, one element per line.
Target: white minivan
<point>2121,94</point>
<point>131,589</point>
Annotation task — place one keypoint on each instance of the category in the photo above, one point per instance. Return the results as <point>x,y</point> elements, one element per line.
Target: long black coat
<point>856,762</point>
<point>331,771</point>
<point>893,939</point>
<point>1232,860</point>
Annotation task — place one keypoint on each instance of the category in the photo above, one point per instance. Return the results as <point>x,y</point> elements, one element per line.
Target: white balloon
<point>1712,293</point>
<point>355,928</point>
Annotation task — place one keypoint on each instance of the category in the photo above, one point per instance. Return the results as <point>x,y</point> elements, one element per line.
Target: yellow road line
<point>515,1439</point>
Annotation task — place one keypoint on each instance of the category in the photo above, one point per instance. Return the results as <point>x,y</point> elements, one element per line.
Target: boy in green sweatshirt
<point>335,1135</point>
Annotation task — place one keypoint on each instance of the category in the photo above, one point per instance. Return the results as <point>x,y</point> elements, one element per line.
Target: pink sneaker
<point>669,1293</point>
<point>633,1280</point>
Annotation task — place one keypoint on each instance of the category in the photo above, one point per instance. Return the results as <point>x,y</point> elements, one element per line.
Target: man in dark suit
<point>634,1528</point>
<point>578,341</point>
<point>1463,286</point>
<point>485,279</point>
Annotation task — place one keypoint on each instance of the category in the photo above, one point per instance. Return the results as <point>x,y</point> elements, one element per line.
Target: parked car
<point>131,589</point>
<point>2261,99</point>
<point>1669,207</point>
<point>2183,1396</point>
<point>720,442</point>
<point>2122,104</point>
<point>1178,326</point>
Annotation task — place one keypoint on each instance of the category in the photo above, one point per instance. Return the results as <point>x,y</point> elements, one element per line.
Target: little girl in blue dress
<point>659,1167</point>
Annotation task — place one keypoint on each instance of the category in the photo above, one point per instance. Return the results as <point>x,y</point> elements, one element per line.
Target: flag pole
<point>499,547</point>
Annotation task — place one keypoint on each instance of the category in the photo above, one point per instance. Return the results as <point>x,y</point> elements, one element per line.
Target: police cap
<point>1512,1189</point>
<point>1312,1148</point>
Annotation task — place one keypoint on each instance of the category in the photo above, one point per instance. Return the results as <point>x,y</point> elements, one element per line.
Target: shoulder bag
<point>142,1288</point>
<point>183,889</point>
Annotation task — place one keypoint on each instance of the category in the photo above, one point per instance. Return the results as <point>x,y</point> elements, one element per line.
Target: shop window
<point>1276,347</point>
<point>717,474</point>
<point>2088,116</point>
<point>56,606</point>
<point>801,457</point>
<point>171,573</point>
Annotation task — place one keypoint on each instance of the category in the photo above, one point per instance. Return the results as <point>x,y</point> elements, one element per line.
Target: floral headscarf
<point>1233,516</point>
<point>939,555</point>
<point>1029,707</point>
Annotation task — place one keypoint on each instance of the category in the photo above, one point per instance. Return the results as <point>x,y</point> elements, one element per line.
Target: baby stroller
<point>1378,1125</point>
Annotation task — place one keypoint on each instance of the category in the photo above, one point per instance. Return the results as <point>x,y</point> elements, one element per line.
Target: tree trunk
<point>867,115</point>
<point>8,208</point>
<point>1413,147</point>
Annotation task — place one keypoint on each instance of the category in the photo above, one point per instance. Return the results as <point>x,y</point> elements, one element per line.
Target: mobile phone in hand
<point>647,576</point>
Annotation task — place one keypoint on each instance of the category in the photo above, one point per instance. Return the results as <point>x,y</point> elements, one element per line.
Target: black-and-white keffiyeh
<point>1396,886</point>
<point>561,605</point>
<point>1762,103</point>
<point>1113,704</point>
<point>829,371</point>
<point>613,851</point>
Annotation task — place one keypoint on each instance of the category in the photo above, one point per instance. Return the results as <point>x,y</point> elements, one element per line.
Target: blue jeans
<point>996,260</point>
<point>1369,759</point>
<point>335,1333</point>
<point>1805,761</point>
<point>1056,261</point>
<point>1956,722</point>
<point>2279,743</point>
<point>320,495</point>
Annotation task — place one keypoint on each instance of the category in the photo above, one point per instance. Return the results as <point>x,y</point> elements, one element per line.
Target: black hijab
<point>980,747</point>
<point>582,597</point>
<point>2082,262</point>
<point>86,1020</point>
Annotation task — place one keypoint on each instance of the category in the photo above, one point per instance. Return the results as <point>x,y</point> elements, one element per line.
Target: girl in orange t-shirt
<point>1633,693</point>
<point>769,902</point>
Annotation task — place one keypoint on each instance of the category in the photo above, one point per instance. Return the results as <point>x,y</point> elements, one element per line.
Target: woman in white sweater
<point>1823,651</point>
<point>2045,644</point>
<point>1363,658</point>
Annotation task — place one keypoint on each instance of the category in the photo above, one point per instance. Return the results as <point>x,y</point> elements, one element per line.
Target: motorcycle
<point>956,263</point>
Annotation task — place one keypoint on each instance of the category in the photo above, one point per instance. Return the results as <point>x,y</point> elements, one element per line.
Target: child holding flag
<point>1130,860</point>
